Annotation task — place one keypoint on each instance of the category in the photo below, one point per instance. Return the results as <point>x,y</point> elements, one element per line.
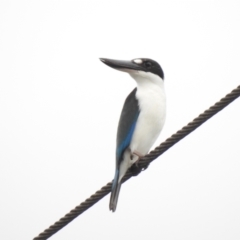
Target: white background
<point>59,110</point>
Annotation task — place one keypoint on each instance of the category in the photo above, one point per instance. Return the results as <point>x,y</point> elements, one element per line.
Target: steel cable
<point>143,163</point>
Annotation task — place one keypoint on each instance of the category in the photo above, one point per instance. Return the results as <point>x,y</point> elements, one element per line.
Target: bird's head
<point>138,68</point>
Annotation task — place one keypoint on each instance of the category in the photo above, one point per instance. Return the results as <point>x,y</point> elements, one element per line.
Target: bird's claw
<point>136,169</point>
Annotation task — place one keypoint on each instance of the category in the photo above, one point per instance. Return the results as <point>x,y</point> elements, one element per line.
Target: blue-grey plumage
<point>126,126</point>
<point>142,116</point>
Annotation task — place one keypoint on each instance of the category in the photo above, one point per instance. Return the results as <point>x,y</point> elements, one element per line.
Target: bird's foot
<point>135,168</point>
<point>139,155</point>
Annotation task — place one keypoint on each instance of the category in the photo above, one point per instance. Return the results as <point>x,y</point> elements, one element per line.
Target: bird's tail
<point>116,185</point>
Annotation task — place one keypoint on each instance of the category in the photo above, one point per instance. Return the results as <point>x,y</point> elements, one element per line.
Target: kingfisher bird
<point>142,118</point>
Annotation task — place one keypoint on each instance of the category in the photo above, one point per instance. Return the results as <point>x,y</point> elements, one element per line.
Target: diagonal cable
<point>143,163</point>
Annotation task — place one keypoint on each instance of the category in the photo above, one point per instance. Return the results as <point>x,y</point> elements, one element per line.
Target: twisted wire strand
<point>143,163</point>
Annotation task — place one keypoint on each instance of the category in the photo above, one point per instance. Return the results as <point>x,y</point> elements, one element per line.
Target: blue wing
<point>126,126</point>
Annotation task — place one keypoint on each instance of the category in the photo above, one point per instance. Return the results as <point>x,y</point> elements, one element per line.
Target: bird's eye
<point>148,64</point>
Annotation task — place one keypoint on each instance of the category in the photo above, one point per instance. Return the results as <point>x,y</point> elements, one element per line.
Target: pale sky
<point>60,106</point>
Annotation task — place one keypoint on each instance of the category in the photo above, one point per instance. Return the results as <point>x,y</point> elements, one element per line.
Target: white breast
<point>152,103</point>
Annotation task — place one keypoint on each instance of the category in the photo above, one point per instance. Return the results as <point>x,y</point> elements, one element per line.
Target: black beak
<point>120,64</point>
